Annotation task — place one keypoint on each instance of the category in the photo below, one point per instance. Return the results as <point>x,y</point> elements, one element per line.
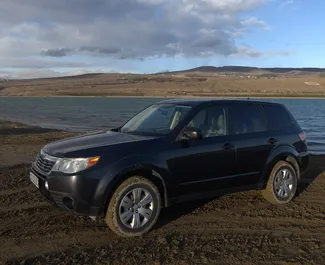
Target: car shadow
<point>176,211</point>
<point>172,213</point>
<point>316,168</point>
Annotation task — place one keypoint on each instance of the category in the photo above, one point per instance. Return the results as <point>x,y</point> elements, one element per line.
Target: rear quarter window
<point>277,117</point>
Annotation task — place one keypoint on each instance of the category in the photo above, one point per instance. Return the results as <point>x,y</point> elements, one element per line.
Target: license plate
<point>34,179</point>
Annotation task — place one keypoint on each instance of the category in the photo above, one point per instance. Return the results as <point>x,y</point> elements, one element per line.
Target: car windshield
<point>158,119</point>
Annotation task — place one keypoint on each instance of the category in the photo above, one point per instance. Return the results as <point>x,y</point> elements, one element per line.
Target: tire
<point>288,187</point>
<point>122,205</point>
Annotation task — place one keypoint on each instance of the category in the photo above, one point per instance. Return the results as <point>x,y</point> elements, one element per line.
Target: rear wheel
<point>282,184</point>
<point>134,207</point>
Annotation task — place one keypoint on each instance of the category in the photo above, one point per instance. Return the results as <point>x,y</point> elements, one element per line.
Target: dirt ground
<point>240,228</point>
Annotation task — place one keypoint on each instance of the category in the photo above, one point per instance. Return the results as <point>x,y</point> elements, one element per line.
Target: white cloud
<point>44,73</point>
<point>46,33</point>
<point>253,21</point>
<point>286,3</point>
<point>12,62</point>
<point>247,51</point>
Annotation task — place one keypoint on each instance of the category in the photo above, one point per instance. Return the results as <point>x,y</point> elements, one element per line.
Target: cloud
<point>253,21</point>
<point>286,3</point>
<point>4,74</point>
<point>247,51</point>
<point>28,74</point>
<point>42,30</point>
<point>100,50</point>
<point>139,28</point>
<point>45,73</point>
<point>63,52</point>
<point>6,62</point>
<point>60,52</point>
<point>280,53</point>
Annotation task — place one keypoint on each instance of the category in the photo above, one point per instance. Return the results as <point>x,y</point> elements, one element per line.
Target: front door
<point>207,164</point>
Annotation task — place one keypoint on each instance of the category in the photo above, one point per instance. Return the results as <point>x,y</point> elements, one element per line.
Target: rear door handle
<point>272,141</point>
<point>228,146</point>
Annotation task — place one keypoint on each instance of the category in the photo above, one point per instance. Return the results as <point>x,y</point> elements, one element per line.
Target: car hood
<point>89,141</point>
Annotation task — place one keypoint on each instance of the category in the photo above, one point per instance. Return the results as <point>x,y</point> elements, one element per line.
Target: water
<point>87,114</point>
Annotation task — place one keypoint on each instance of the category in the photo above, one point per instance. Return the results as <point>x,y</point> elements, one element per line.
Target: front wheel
<point>282,184</point>
<point>134,207</point>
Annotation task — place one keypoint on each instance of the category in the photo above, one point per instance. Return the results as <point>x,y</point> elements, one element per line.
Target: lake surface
<point>87,114</point>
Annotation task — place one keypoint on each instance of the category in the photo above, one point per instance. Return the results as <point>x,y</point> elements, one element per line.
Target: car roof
<point>194,102</point>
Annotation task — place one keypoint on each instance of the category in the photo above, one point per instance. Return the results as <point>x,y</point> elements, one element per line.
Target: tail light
<point>302,136</point>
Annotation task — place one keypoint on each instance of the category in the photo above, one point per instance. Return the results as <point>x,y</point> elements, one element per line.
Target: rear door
<point>284,127</point>
<point>248,129</point>
<point>281,123</point>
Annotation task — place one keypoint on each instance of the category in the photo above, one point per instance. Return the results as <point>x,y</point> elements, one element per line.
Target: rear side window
<point>277,117</point>
<point>246,118</point>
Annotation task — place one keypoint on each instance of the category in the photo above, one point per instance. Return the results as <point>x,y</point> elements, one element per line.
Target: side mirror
<point>191,133</point>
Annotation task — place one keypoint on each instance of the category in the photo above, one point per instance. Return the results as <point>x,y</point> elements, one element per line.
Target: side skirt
<point>214,193</point>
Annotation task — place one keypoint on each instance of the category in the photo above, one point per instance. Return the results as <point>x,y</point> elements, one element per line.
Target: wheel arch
<point>146,171</point>
<point>282,153</point>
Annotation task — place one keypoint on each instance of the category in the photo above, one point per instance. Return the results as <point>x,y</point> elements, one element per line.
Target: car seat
<point>217,126</point>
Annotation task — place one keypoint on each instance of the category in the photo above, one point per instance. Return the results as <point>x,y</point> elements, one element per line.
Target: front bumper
<point>79,194</point>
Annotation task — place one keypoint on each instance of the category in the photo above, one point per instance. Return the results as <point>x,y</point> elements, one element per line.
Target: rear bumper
<point>69,197</point>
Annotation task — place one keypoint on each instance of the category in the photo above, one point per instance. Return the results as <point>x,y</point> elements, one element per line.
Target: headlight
<point>74,165</point>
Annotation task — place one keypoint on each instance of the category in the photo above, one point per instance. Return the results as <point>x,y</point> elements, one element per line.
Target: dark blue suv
<point>171,152</point>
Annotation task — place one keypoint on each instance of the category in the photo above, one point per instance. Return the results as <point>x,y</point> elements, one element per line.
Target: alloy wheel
<point>284,183</point>
<point>136,208</point>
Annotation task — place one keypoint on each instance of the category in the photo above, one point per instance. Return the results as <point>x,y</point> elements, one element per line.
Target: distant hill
<point>204,81</point>
<point>198,72</point>
<point>248,69</point>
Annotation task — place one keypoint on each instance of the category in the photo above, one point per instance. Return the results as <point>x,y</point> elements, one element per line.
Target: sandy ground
<point>240,228</point>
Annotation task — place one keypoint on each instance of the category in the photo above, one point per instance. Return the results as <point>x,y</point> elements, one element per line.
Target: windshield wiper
<point>142,133</point>
<point>134,132</point>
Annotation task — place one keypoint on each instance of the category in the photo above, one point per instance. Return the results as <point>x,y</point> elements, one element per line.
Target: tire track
<point>18,208</point>
<point>15,191</point>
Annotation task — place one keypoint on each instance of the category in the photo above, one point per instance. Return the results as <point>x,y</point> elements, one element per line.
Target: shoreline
<point>19,142</point>
<point>9,126</point>
<point>255,96</point>
<point>37,126</point>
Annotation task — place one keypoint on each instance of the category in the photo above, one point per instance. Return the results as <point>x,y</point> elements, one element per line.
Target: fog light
<point>68,203</point>
<point>46,185</point>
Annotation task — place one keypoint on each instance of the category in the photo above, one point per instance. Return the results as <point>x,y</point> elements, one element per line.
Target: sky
<point>47,38</point>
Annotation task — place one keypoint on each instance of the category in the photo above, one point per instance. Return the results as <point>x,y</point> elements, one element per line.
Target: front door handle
<point>272,141</point>
<point>228,146</point>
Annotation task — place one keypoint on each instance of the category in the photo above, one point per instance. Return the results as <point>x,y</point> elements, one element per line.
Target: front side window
<point>246,118</point>
<point>211,121</point>
<point>158,119</point>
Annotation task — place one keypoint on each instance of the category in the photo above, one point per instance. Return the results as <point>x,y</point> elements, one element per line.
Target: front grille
<point>44,162</point>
